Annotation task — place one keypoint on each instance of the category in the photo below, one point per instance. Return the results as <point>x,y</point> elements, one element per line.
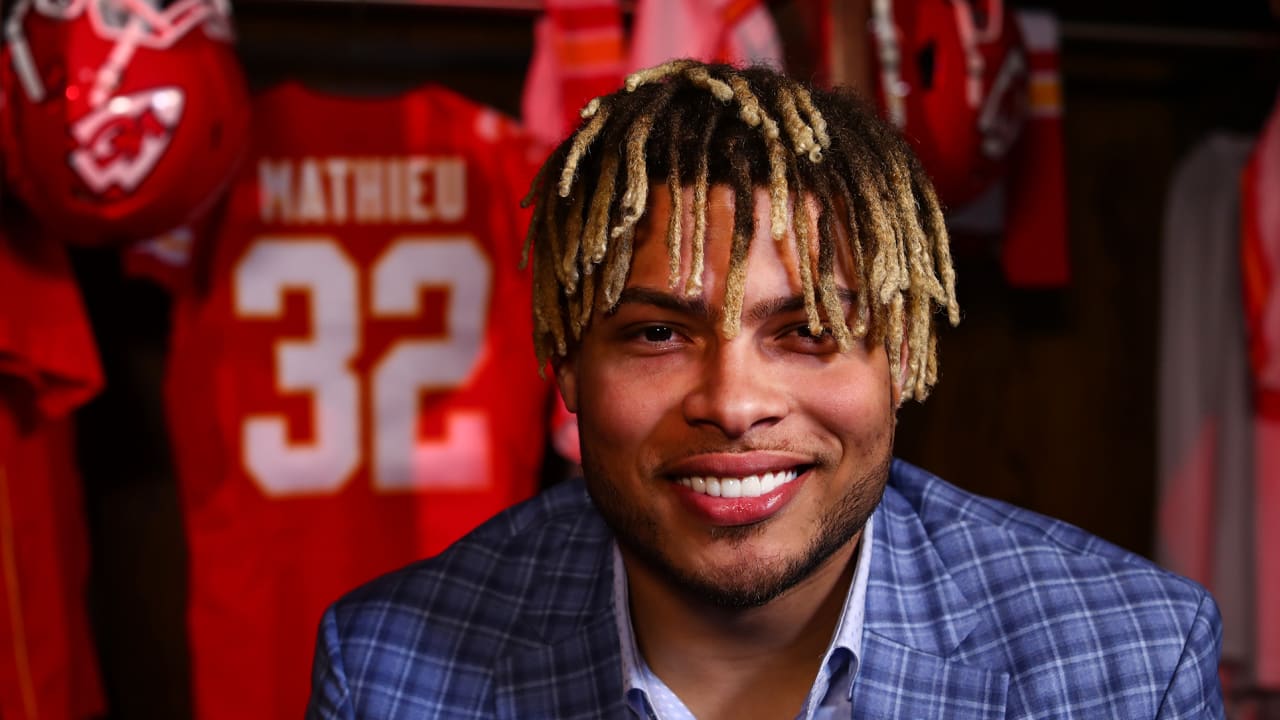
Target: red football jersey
<point>48,366</point>
<point>352,383</point>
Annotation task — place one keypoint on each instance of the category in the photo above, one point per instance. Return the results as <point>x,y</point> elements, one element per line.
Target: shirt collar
<point>641,686</point>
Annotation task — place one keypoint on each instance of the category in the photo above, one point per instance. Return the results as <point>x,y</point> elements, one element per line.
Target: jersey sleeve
<point>45,338</point>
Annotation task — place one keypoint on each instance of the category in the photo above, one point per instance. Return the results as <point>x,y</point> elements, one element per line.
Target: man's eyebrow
<point>696,307</point>
<point>766,309</point>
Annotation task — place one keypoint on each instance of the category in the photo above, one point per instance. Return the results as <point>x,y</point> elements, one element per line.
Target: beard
<point>752,583</point>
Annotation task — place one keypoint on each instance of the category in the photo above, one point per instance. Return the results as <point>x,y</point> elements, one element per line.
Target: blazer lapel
<point>576,674</point>
<point>916,618</point>
<point>576,678</point>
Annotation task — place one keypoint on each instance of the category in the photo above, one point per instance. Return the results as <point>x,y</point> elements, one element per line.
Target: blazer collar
<point>917,617</point>
<point>576,672</point>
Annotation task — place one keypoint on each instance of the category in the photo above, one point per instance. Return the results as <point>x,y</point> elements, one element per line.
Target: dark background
<point>1046,399</point>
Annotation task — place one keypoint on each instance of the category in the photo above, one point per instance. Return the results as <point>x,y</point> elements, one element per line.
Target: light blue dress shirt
<point>832,693</point>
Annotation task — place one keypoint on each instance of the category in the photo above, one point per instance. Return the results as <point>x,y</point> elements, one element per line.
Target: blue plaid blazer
<point>975,609</point>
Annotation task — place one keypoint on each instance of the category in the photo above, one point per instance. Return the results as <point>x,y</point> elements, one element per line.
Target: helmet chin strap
<point>20,52</point>
<point>890,57</point>
<point>971,36</point>
<point>998,136</point>
<point>146,25</point>
<point>108,78</point>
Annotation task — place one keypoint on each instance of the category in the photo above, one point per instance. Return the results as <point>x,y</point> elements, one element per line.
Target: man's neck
<point>754,662</point>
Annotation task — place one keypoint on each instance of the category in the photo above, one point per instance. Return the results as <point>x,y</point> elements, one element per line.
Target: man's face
<point>792,434</point>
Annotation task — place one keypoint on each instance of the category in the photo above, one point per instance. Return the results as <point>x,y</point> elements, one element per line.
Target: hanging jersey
<point>739,32</point>
<point>352,384</point>
<point>1035,253</point>
<point>48,367</point>
<point>1204,435</point>
<point>577,55</point>
<point>1260,262</point>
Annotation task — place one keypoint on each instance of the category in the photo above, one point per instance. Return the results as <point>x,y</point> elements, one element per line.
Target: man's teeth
<point>749,486</point>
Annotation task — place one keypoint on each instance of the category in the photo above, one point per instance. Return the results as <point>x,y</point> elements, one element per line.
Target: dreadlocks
<point>689,124</point>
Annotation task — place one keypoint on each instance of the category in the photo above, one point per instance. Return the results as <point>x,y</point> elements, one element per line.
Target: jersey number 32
<point>321,365</point>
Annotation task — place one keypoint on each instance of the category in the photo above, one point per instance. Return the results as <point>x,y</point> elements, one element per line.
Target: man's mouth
<point>739,490</point>
<point>739,487</point>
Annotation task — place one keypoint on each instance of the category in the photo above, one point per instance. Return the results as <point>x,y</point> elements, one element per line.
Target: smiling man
<point>735,283</point>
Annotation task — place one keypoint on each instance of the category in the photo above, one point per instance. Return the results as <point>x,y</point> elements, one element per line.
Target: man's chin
<point>752,578</point>
<point>739,589</point>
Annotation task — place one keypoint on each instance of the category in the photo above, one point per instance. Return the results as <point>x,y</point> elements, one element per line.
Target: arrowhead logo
<point>119,143</point>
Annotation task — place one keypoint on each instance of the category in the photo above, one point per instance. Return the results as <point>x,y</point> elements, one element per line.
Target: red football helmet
<point>952,76</point>
<point>123,120</point>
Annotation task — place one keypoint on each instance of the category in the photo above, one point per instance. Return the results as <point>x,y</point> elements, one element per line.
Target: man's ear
<point>566,370</point>
<point>899,380</point>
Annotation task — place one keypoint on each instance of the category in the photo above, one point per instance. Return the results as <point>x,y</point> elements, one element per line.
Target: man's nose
<point>738,391</point>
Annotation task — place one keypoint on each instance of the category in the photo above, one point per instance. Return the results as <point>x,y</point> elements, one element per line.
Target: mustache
<point>813,455</point>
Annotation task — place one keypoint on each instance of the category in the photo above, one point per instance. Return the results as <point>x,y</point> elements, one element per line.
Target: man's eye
<point>802,339</point>
<point>658,334</point>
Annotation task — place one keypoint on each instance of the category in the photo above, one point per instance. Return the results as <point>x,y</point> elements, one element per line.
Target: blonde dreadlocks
<point>687,123</point>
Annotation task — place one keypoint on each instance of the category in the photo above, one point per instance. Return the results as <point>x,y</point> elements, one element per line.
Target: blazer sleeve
<point>1194,690</point>
<point>330,696</point>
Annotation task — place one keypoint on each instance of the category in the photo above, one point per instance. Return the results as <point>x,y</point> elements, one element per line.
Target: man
<point>735,276</point>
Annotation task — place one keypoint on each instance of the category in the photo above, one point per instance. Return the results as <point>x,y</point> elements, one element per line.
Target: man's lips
<point>735,465</point>
<point>739,489</point>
